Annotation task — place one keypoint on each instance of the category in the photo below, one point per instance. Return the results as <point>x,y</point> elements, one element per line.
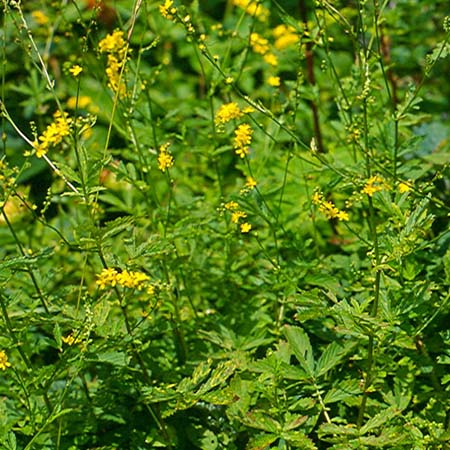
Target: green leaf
<point>301,347</point>
<point>299,439</point>
<point>261,441</point>
<point>382,418</point>
<point>262,421</point>
<point>115,358</point>
<point>116,226</point>
<point>345,389</point>
<point>57,335</point>
<point>331,357</point>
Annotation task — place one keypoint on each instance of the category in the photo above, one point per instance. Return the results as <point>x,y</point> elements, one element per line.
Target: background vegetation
<point>224,225</point>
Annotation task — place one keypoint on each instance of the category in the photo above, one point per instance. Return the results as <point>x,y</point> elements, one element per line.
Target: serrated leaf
<point>301,347</point>
<point>295,422</point>
<point>115,358</point>
<point>261,441</point>
<point>116,226</point>
<point>382,418</point>
<point>345,389</point>
<point>223,371</point>
<point>339,430</point>
<point>332,356</point>
<point>299,439</point>
<point>261,421</point>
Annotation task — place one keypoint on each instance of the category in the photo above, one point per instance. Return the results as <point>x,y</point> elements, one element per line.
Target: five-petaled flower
<point>76,70</point>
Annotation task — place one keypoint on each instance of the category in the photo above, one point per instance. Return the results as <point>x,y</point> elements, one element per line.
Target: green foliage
<point>224,225</point>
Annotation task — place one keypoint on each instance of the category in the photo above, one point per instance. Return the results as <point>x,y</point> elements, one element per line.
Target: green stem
<point>27,268</point>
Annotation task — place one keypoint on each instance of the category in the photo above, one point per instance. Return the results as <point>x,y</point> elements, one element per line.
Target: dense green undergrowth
<point>224,225</point>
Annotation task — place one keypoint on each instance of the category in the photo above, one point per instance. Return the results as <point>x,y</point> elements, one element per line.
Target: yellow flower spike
<point>165,159</point>
<point>374,184</point>
<point>167,10</point>
<point>54,134</point>
<point>242,139</point>
<point>227,112</point>
<point>328,208</point>
<point>108,277</point>
<point>250,183</point>
<point>4,364</point>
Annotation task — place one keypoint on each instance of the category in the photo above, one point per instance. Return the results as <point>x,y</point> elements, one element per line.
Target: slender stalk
<point>311,77</point>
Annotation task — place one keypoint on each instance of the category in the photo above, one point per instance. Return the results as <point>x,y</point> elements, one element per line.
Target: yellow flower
<point>285,36</point>
<point>251,183</point>
<point>242,139</point>
<point>252,8</point>
<point>231,205</point>
<point>259,44</point>
<point>82,102</point>
<point>248,186</point>
<point>108,277</point>
<point>328,208</point>
<point>238,215</point>
<point>167,10</point>
<point>113,72</point>
<point>40,17</point>
<point>245,227</point>
<point>54,134</point>
<point>70,339</point>
<point>165,159</point>
<point>374,184</point>
<point>76,70</point>
<point>404,187</point>
<point>274,81</point>
<point>126,278</point>
<point>227,112</point>
<point>271,59</point>
<point>113,43</point>
<point>4,364</point>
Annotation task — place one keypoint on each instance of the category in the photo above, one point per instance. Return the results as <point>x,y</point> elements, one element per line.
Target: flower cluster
<point>261,46</point>
<point>115,46</point>
<point>285,36</point>
<point>227,112</point>
<point>128,279</point>
<point>167,10</point>
<point>165,159</point>
<point>237,215</point>
<point>374,184</point>
<point>250,184</point>
<point>328,208</point>
<point>70,339</point>
<point>4,364</point>
<point>252,8</point>
<point>54,134</point>
<point>242,139</point>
